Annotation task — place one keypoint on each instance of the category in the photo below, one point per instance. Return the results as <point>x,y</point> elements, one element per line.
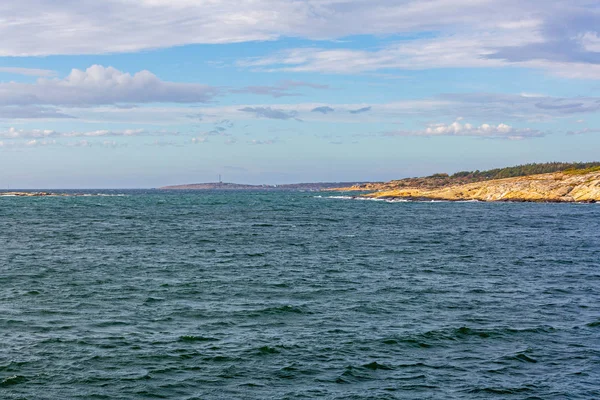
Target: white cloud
<point>257,142</point>
<point>87,143</point>
<point>590,41</point>
<point>31,112</point>
<point>27,144</point>
<point>28,71</point>
<point>562,39</point>
<point>14,133</point>
<point>281,89</point>
<point>43,27</point>
<point>500,131</point>
<point>441,52</point>
<point>583,131</point>
<point>38,143</point>
<point>102,85</point>
<point>162,143</point>
<point>466,50</point>
<point>270,113</point>
<point>523,108</point>
<point>80,143</point>
<point>21,144</point>
<point>98,133</point>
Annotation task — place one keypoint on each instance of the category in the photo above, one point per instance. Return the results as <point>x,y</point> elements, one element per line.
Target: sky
<point>146,93</point>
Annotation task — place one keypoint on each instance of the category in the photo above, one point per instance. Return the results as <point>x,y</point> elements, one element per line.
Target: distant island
<point>547,182</point>
<point>236,186</point>
<point>36,194</point>
<point>544,182</point>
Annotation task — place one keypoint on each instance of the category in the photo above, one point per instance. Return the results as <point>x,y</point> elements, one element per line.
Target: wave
<point>430,338</point>
<point>395,200</point>
<point>374,366</point>
<point>287,309</point>
<point>365,199</point>
<point>193,338</point>
<point>492,390</point>
<point>13,380</point>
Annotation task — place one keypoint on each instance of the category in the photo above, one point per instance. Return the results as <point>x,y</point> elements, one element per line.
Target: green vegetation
<point>529,169</point>
<point>575,171</point>
<point>439,176</point>
<point>463,177</point>
<point>441,180</point>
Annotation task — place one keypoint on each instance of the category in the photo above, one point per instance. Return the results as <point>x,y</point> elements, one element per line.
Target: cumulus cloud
<point>271,113</point>
<point>360,110</point>
<point>500,131</point>
<point>323,109</point>
<point>103,85</point>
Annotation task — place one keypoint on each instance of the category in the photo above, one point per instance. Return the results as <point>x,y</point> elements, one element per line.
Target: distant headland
<point>545,182</point>
<point>548,182</point>
<point>236,186</point>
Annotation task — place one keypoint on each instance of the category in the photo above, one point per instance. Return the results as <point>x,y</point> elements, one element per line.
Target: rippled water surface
<point>227,295</point>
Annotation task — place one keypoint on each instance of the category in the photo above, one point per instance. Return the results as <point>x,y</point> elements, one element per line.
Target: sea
<point>296,295</point>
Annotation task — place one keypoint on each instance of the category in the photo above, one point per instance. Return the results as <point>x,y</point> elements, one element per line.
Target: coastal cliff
<point>565,186</point>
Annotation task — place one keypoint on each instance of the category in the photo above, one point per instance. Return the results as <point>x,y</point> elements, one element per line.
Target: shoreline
<point>421,199</point>
<point>558,187</point>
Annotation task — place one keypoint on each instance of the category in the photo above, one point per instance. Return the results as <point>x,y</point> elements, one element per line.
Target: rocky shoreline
<point>559,187</point>
<point>36,194</point>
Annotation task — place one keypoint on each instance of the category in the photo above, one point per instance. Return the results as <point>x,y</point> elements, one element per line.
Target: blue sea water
<point>290,295</point>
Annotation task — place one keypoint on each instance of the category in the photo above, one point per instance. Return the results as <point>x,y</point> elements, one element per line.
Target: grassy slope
<point>437,181</point>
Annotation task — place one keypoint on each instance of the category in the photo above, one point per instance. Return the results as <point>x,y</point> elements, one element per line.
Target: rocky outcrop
<point>37,194</point>
<point>555,187</point>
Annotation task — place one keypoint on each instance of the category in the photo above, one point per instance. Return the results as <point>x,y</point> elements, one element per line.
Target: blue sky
<point>155,92</point>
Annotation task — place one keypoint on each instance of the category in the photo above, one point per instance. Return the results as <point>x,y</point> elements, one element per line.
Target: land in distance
<point>237,186</point>
<point>550,182</point>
